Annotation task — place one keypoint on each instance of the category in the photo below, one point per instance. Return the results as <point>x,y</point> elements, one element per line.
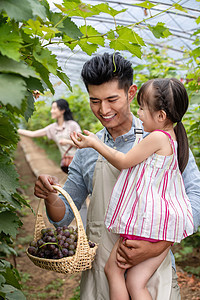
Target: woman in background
<point>59,131</point>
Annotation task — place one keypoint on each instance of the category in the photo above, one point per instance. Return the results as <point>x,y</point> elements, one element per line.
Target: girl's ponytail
<point>183,147</point>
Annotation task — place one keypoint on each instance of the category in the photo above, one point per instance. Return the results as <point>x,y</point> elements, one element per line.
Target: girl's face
<point>148,118</point>
<point>56,113</point>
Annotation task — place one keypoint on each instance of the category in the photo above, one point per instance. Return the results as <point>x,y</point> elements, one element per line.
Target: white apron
<point>94,285</point>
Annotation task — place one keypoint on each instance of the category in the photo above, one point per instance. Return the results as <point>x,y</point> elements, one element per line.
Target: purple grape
<point>53,239</point>
<point>65,252</point>
<point>33,244</point>
<point>71,253</point>
<point>65,245</point>
<point>59,237</point>
<point>40,242</point>
<point>32,250</point>
<point>72,236</point>
<point>71,247</point>
<point>60,255</point>
<point>92,245</point>
<point>71,229</point>
<point>61,243</point>
<point>66,233</point>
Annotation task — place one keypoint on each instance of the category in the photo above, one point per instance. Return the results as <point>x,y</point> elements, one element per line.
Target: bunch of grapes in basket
<point>56,243</point>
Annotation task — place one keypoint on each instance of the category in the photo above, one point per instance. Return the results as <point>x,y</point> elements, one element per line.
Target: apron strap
<point>138,130</point>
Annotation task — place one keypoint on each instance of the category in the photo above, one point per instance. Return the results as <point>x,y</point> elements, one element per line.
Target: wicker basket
<point>84,255</point>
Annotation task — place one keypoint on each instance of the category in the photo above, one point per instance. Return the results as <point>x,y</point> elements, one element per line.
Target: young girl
<point>148,201</point>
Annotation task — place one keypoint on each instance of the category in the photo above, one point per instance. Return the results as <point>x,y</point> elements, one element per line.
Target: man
<point>108,79</point>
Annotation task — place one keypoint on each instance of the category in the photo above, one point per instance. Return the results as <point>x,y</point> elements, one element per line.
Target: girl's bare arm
<point>151,144</point>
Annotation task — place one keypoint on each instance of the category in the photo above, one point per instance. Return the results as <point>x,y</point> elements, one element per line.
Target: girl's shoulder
<point>164,141</point>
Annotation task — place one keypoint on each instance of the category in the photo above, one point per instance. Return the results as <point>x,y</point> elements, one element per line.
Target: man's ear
<point>132,92</point>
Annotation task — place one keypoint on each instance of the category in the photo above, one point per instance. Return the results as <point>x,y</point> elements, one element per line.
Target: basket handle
<point>39,223</point>
<point>82,240</point>
<point>71,203</point>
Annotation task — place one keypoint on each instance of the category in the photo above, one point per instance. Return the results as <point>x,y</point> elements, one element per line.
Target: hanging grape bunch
<point>56,243</point>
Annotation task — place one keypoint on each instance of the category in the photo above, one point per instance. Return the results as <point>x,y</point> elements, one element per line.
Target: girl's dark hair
<point>170,95</point>
<point>63,105</point>
<point>108,67</point>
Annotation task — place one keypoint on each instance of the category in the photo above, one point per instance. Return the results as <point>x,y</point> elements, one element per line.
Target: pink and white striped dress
<point>149,200</point>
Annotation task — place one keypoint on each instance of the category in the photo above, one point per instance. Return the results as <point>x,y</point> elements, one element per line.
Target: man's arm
<point>54,205</point>
<point>58,209</point>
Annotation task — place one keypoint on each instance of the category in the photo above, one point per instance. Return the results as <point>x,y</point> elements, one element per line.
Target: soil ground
<point>42,284</point>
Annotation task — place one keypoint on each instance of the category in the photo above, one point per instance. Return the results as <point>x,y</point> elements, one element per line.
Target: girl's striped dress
<point>149,200</point>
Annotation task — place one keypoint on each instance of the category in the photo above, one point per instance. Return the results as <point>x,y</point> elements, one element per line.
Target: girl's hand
<point>84,141</point>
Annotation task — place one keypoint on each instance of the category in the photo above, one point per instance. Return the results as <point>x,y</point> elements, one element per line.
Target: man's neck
<point>115,132</point>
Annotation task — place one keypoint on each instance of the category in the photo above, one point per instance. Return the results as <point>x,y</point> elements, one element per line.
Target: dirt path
<point>42,284</point>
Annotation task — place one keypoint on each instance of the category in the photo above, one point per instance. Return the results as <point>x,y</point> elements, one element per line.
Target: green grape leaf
<point>2,279</point>
<point>69,42</point>
<point>8,174</point>
<point>198,20</point>
<point>88,48</point>
<point>12,293</point>
<point>127,40</point>
<point>105,8</point>
<point>60,7</point>
<point>36,28</point>
<point>12,277</point>
<point>9,200</point>
<point>44,74</point>
<point>145,4</point>
<point>70,28</point>
<point>34,84</point>
<point>38,9</point>
<point>9,223</point>
<point>119,44</point>
<point>6,126</point>
<point>12,90</point>
<point>8,65</point>
<point>196,52</point>
<point>83,10</point>
<point>129,36</point>
<point>29,106</point>
<point>179,7</point>
<point>160,31</point>
<point>20,11</point>
<point>46,58</point>
<point>21,200</point>
<point>65,79</point>
<point>110,35</point>
<point>4,248</point>
<point>93,36</point>
<point>10,42</point>
<point>33,27</point>
<point>23,9</point>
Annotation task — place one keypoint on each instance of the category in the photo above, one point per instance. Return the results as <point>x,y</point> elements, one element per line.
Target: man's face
<point>111,106</point>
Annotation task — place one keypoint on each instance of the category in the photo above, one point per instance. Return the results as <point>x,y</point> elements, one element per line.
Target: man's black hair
<point>108,67</point>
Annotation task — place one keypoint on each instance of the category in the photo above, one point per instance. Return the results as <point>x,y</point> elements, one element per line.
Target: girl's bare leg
<point>138,276</point>
<point>115,276</point>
